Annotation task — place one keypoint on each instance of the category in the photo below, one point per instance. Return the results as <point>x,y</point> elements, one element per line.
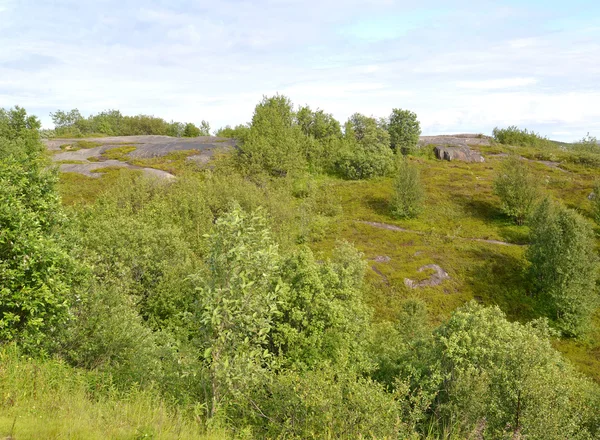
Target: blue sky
<point>463,66</point>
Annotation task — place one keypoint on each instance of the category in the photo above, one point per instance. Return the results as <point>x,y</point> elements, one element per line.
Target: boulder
<point>462,153</point>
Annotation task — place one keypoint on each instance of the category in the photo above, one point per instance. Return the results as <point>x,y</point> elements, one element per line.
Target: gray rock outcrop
<point>461,153</point>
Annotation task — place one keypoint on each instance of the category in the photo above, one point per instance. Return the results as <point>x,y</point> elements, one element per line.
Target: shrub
<point>366,151</point>
<point>35,269</point>
<point>274,143</point>
<point>513,135</point>
<point>503,379</point>
<point>563,266</point>
<point>587,144</point>
<point>408,191</point>
<point>190,130</point>
<point>596,202</point>
<point>517,189</point>
<point>238,132</point>
<point>404,129</point>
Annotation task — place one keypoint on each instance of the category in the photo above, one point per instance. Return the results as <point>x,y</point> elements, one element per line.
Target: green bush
<point>35,269</point>
<point>407,201</point>
<point>563,266</point>
<point>366,150</point>
<point>274,144</point>
<point>405,129</point>
<point>487,375</point>
<point>515,136</point>
<point>517,188</point>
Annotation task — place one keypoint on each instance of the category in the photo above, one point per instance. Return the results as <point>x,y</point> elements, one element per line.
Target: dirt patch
<point>435,279</point>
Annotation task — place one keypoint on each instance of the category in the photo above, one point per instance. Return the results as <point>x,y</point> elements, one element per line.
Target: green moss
<point>119,153</point>
<point>175,162</point>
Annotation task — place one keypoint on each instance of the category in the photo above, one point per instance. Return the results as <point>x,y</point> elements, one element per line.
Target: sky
<point>462,66</point>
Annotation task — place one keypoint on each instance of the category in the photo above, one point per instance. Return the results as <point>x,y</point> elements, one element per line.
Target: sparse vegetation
<point>513,135</point>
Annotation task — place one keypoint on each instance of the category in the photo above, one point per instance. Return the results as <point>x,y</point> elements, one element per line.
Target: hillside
<point>462,229</point>
<point>296,280</point>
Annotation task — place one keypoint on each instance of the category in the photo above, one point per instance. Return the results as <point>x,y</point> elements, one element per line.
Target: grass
<point>119,153</point>
<point>78,145</point>
<point>175,162</point>
<point>50,400</point>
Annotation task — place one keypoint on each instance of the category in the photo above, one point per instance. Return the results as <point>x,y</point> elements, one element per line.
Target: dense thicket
<point>113,123</point>
<point>202,291</point>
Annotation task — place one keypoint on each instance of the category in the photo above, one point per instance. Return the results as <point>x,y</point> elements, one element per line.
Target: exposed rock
<point>382,259</point>
<point>435,279</point>
<point>462,153</point>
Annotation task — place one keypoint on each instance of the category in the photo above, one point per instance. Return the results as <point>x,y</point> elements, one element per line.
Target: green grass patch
<point>119,153</point>
<point>49,400</point>
<point>175,162</point>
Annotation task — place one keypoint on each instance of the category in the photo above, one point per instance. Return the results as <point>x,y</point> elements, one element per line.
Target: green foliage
<point>114,123</point>
<point>274,143</point>
<point>502,379</point>
<point>326,403</point>
<point>563,266</point>
<point>190,130</point>
<point>366,152</point>
<point>405,129</point>
<point>595,199</point>
<point>237,303</point>
<point>119,153</point>
<point>587,144</point>
<point>48,399</point>
<point>238,132</point>
<point>35,270</point>
<point>517,188</point>
<point>408,191</point>
<point>320,308</point>
<point>513,135</point>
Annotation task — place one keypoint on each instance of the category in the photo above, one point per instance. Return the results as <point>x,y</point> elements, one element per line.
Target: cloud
<point>193,60</point>
<point>502,83</point>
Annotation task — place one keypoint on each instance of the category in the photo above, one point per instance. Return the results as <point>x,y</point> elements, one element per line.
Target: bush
<point>513,135</point>
<point>563,266</point>
<point>405,129</point>
<point>407,201</point>
<point>35,269</point>
<point>274,143</point>
<point>517,189</point>
<point>239,132</point>
<point>503,380</point>
<point>587,144</point>
<point>366,151</point>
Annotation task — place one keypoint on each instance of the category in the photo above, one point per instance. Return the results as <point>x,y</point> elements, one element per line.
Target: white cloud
<point>502,83</point>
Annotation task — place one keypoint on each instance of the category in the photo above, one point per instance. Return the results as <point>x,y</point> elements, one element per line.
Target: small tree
<point>405,129</point>
<point>366,151</point>
<point>563,265</point>
<point>517,189</point>
<point>190,130</point>
<point>408,191</point>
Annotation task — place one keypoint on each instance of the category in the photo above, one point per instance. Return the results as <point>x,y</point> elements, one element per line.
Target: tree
<point>408,191</point>
<point>34,266</point>
<point>404,129</point>
<point>517,189</point>
<point>563,266</point>
<point>237,300</point>
<point>190,130</point>
<point>274,143</point>
<point>366,152</point>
